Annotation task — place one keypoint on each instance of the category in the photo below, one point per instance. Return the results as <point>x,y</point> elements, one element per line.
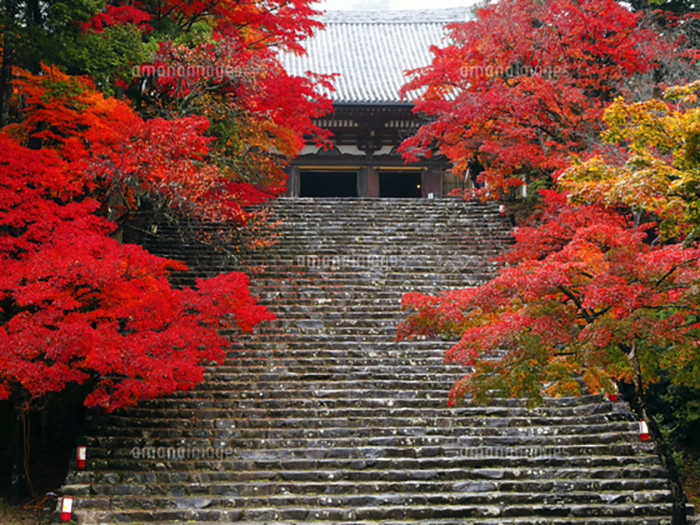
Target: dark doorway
<point>328,184</point>
<point>400,184</point>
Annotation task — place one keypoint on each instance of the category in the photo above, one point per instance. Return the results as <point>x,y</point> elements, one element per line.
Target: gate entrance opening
<point>328,184</point>
<point>406,184</point>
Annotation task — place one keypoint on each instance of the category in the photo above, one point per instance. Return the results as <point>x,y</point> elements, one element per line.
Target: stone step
<point>338,322</point>
<point>247,344</point>
<point>625,477</point>
<point>213,400</point>
<point>347,376</point>
<point>298,360</point>
<point>331,408</point>
<point>191,510</point>
<point>376,367</point>
<point>251,347</point>
<point>498,521</point>
<point>261,337</point>
<point>370,400</point>
<point>608,466</point>
<point>315,382</point>
<point>312,364</point>
<point>482,414</point>
<point>489,442</point>
<point>204,419</point>
<point>132,484</point>
<point>500,454</point>
<point>321,391</point>
<point>588,503</point>
<point>321,283</point>
<point>371,436</point>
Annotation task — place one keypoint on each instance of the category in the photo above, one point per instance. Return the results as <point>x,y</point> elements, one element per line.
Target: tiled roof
<point>372,49</point>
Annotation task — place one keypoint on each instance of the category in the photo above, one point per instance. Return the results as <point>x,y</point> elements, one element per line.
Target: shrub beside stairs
<point>321,416</point>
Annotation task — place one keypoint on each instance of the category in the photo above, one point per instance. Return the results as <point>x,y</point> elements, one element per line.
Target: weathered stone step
<point>212,400</point>
<point>639,520</point>
<point>266,340</point>
<point>367,240</point>
<point>375,235</point>
<point>279,335</point>
<point>499,454</point>
<point>339,372</point>
<point>376,368</point>
<point>360,257</point>
<point>227,429</point>
<point>314,381</point>
<point>347,376</point>
<point>191,510</point>
<point>271,353</point>
<point>289,254</point>
<point>250,344</point>
<point>135,484</point>
<point>420,221</point>
<point>611,476</point>
<point>359,213</point>
<point>323,386</point>
<point>324,391</point>
<point>297,359</point>
<point>333,268</point>
<point>598,465</point>
<point>338,399</point>
<point>268,362</point>
<point>159,418</point>
<point>350,288</point>
<point>414,221</point>
<point>251,347</point>
<point>486,415</point>
<point>319,320</point>
<point>472,432</point>
<point>504,443</point>
<point>401,283</point>
<point>589,503</point>
<point>301,408</point>
<point>471,521</point>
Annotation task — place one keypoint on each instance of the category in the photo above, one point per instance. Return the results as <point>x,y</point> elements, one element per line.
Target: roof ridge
<point>404,16</point>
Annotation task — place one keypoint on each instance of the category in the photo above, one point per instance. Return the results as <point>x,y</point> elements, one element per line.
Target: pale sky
<point>391,4</point>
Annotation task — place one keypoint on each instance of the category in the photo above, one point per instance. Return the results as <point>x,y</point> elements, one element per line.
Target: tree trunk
<point>9,8</point>
<point>662,448</point>
<point>34,12</point>
<point>18,481</point>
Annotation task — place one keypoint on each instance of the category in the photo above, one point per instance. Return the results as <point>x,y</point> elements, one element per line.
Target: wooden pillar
<point>293,182</point>
<point>367,182</point>
<point>373,189</point>
<point>362,182</point>
<point>431,182</point>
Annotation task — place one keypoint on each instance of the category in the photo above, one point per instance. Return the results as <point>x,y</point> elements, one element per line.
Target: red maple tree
<point>78,307</point>
<point>524,85</point>
<point>583,295</point>
<point>184,145</point>
<point>121,159</point>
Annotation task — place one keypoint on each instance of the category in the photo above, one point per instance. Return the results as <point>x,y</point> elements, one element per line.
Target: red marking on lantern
<point>643,431</point>
<point>66,508</point>
<point>82,456</point>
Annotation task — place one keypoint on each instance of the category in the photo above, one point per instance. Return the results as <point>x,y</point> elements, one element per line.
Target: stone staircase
<point>321,416</point>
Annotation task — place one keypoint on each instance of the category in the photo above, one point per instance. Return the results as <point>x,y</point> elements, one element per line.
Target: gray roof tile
<point>373,49</point>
